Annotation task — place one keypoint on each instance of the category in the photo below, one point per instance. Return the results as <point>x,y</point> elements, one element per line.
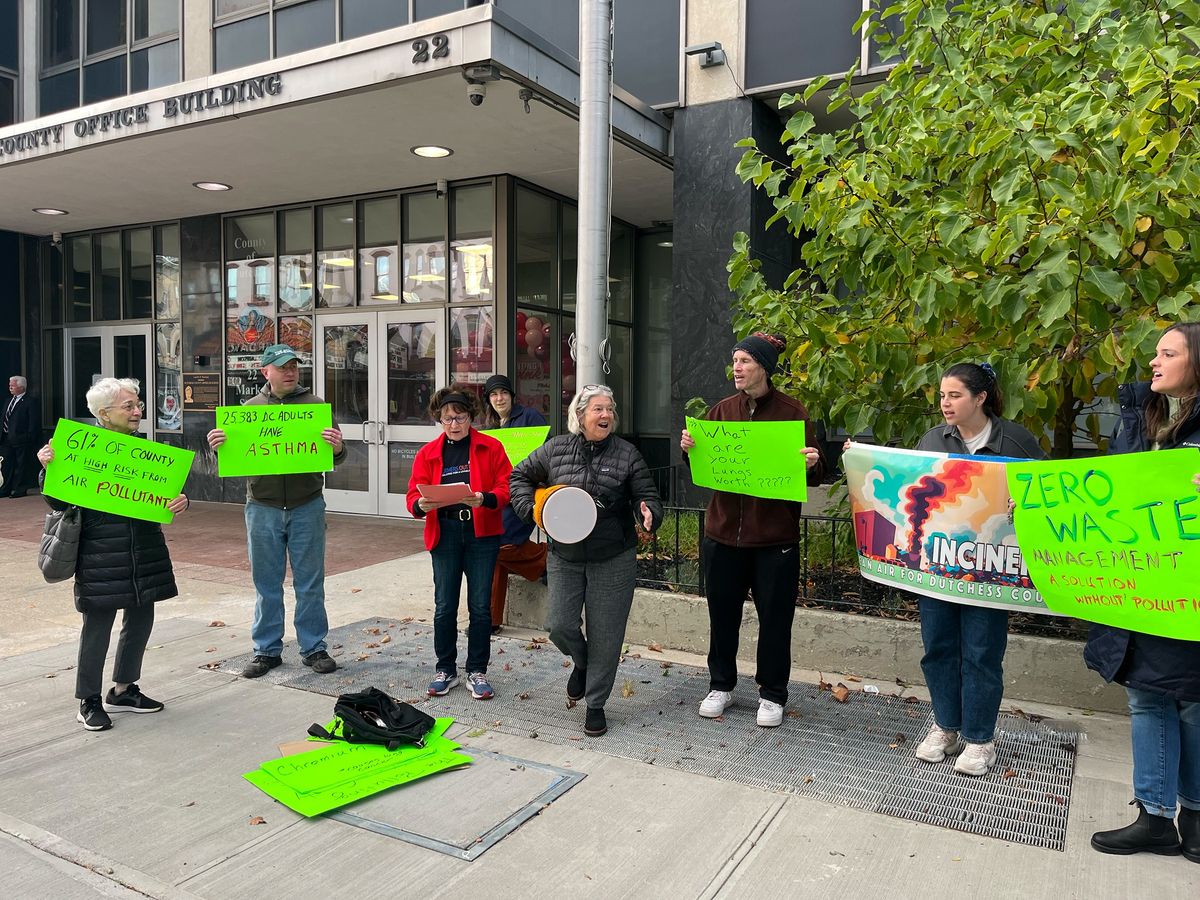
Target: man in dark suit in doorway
<point>20,427</point>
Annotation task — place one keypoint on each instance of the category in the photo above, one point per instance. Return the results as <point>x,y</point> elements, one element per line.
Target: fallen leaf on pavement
<point>822,684</point>
<point>363,656</point>
<point>356,590</point>
<point>211,650</point>
<point>372,646</point>
<point>386,639</point>
<point>523,696</point>
<point>853,678</point>
<point>1009,773</point>
<point>627,689</point>
<point>186,805</point>
<point>657,648</point>
<point>840,693</point>
<point>212,665</point>
<point>52,675</point>
<point>258,820</point>
<point>216,623</point>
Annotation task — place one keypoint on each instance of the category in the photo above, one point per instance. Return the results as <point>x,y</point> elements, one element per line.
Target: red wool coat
<point>490,469</point>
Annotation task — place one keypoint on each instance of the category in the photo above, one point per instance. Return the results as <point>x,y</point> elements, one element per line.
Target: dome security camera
<point>476,92</point>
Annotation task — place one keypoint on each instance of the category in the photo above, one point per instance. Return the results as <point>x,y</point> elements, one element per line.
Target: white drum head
<point>569,515</point>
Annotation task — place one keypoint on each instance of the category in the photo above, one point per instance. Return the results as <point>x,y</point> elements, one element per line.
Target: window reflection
<point>166,272</point>
<point>424,263</point>
<point>335,256</point>
<point>347,349</point>
<point>471,249</point>
<point>471,338</point>
<point>412,370</point>
<point>535,382</point>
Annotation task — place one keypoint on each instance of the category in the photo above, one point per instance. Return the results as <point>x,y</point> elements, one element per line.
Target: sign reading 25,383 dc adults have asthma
<point>117,473</point>
<point>274,439</point>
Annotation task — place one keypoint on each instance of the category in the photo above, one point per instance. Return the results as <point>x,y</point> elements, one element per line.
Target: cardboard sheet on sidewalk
<point>334,775</point>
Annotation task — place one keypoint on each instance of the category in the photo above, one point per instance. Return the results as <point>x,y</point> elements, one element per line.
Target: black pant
<point>15,468</point>
<point>771,575</point>
<point>93,647</point>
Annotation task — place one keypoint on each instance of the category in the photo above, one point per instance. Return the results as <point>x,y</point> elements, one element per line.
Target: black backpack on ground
<point>372,717</point>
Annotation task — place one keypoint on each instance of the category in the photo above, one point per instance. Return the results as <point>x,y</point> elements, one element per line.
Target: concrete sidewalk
<point>157,806</point>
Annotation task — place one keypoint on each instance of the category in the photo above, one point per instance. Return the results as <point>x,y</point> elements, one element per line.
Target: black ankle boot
<point>1189,833</point>
<point>595,725</point>
<point>1149,834</point>
<point>576,684</point>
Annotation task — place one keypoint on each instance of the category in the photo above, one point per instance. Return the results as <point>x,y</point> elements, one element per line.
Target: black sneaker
<point>92,715</point>
<point>320,662</point>
<point>130,700</point>
<point>260,666</point>
<point>594,724</point>
<point>576,684</point>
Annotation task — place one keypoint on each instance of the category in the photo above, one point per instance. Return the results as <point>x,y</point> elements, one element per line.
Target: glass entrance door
<point>378,371</point>
<point>118,351</point>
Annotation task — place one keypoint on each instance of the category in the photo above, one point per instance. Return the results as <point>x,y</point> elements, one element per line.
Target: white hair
<point>582,399</point>
<point>104,392</point>
<point>20,380</point>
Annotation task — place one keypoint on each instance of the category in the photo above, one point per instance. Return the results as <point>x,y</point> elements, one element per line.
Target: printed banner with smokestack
<point>938,526</point>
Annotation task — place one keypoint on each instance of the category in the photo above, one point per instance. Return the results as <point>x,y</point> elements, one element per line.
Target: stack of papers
<point>336,774</point>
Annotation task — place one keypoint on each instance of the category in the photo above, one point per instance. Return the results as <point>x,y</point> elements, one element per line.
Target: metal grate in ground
<point>858,753</point>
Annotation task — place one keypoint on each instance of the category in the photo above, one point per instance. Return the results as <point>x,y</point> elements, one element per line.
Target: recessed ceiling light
<point>666,243</point>
<point>431,151</point>
<point>211,186</point>
<point>50,211</point>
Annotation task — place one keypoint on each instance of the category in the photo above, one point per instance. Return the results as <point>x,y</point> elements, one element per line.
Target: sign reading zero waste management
<point>1114,539</point>
<point>275,439</point>
<point>113,472</point>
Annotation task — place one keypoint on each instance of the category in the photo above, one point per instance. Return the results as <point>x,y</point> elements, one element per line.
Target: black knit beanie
<point>497,382</point>
<point>765,348</point>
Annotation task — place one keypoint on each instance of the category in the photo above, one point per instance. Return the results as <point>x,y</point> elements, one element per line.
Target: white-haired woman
<point>123,565</point>
<point>597,573</point>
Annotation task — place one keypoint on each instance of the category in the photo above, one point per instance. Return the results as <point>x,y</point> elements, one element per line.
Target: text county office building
<point>386,185</point>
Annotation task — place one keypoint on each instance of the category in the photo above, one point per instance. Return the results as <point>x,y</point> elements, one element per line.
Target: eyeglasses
<point>130,407</point>
<point>456,420</point>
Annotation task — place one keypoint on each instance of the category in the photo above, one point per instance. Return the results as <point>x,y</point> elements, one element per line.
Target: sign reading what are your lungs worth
<point>274,439</point>
<point>113,472</point>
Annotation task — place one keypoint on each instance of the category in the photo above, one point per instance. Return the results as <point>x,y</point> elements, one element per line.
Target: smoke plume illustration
<point>933,492</point>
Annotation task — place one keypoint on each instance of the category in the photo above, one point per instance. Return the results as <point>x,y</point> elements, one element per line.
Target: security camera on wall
<point>56,239</point>
<point>476,93</point>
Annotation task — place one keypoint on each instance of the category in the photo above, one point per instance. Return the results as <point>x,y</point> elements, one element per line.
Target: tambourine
<point>567,514</point>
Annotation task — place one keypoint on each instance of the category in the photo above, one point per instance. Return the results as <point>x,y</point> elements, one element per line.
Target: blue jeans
<point>459,552</point>
<point>963,665</point>
<point>273,536</point>
<point>1166,751</point>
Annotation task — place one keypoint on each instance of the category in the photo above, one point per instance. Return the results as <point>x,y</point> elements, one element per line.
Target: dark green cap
<point>278,355</point>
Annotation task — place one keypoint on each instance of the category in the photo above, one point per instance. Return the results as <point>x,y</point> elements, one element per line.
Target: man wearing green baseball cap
<point>285,519</point>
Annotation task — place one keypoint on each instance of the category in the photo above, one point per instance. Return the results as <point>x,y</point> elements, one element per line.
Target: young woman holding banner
<point>123,565</point>
<point>964,645</point>
<point>1161,675</point>
<point>518,554</point>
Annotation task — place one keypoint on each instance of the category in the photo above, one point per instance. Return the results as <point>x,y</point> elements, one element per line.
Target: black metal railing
<point>829,578</point>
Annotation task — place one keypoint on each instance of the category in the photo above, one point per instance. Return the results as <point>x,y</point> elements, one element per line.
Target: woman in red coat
<point>462,537</point>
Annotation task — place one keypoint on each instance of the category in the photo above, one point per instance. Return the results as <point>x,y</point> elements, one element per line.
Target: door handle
<point>366,438</point>
<point>382,432</point>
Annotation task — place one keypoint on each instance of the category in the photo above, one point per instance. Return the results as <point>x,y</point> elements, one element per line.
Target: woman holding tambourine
<point>586,490</point>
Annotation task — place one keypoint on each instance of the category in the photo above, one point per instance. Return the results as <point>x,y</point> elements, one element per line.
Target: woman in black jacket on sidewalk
<point>599,572</point>
<point>123,565</point>
<point>1161,675</point>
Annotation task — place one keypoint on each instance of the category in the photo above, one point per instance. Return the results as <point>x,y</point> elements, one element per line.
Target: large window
<point>10,60</point>
<point>95,50</point>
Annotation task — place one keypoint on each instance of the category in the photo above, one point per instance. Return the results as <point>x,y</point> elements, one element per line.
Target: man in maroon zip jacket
<point>752,544</point>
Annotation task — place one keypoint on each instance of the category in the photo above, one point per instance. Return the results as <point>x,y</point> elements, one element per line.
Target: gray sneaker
<point>976,759</point>
<point>939,744</point>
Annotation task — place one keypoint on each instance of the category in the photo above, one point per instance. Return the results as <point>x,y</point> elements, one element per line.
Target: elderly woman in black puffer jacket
<point>123,565</point>
<point>599,572</point>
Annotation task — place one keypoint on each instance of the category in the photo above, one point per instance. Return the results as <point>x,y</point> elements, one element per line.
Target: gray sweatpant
<point>93,647</point>
<point>605,590</point>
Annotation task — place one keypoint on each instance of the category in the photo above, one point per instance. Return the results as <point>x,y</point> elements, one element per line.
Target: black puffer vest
<point>1145,661</point>
<point>612,471</point>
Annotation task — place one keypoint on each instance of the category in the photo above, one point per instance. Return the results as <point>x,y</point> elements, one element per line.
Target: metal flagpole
<point>595,177</point>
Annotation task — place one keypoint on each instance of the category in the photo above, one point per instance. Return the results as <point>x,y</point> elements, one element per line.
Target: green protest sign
<point>275,439</point>
<point>113,472</point>
<point>337,774</point>
<point>519,442</point>
<point>1114,539</point>
<point>761,459</point>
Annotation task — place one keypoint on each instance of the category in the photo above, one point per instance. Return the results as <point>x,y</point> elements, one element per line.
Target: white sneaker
<point>770,714</point>
<point>715,704</point>
<point>976,759</point>
<point>939,744</point>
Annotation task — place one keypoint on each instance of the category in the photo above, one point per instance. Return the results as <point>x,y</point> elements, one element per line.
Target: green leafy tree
<point>1022,188</point>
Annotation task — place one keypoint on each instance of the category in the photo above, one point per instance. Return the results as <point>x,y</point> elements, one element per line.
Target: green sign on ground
<point>1114,539</point>
<point>337,774</point>
<point>760,459</point>
<point>113,472</point>
<point>276,439</point>
<point>519,442</point>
